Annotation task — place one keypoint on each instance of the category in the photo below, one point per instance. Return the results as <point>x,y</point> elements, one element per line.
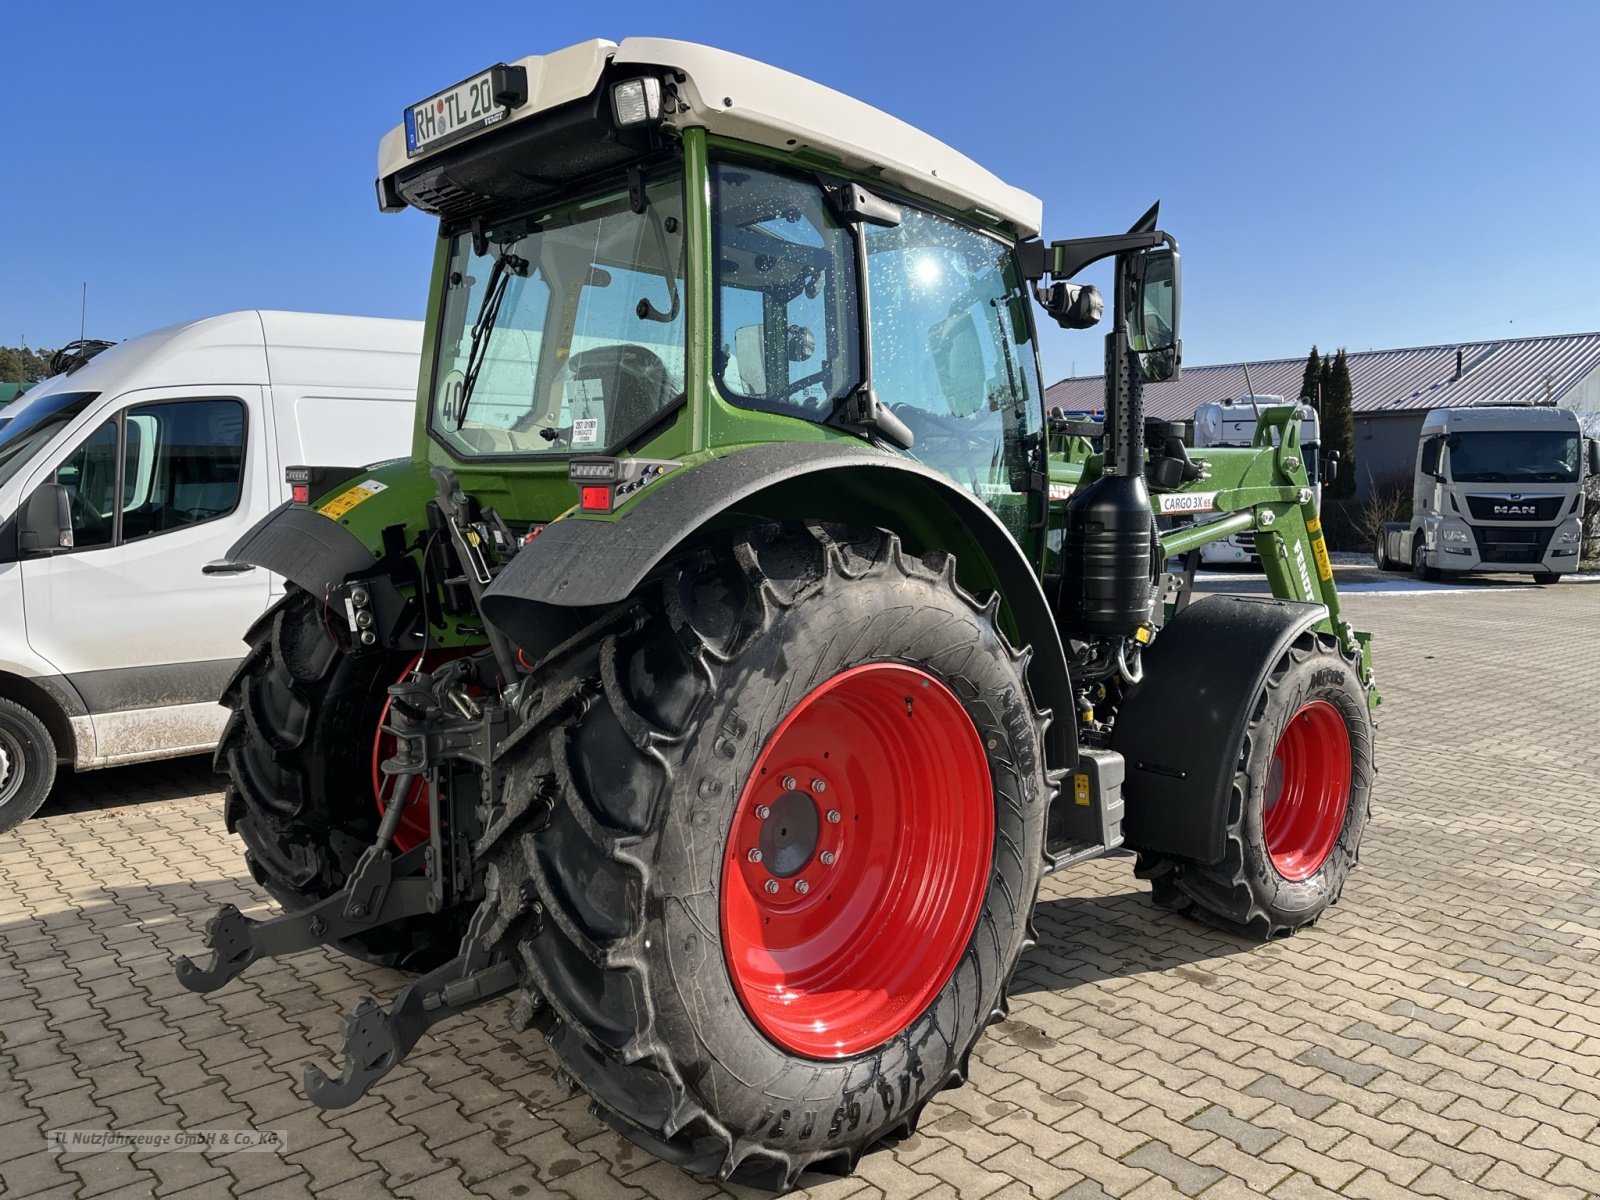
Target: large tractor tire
<point>27,764</point>
<point>771,856</point>
<point>1300,802</point>
<point>298,752</point>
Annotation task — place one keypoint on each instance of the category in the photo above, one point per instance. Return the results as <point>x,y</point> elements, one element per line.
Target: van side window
<point>90,477</point>
<point>185,465</point>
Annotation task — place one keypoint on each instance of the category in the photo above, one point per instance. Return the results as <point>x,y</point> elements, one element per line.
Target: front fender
<point>586,563</point>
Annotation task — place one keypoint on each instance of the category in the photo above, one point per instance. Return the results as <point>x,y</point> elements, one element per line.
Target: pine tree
<point>1338,423</point>
<point>1309,381</point>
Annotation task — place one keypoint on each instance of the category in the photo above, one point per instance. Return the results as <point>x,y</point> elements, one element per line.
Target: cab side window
<point>157,468</point>
<point>90,477</point>
<point>190,465</point>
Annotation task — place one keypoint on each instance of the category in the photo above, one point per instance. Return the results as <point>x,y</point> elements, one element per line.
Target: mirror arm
<point>1064,259</point>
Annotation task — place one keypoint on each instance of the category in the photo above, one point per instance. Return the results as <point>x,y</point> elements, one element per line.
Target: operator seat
<point>634,382</point>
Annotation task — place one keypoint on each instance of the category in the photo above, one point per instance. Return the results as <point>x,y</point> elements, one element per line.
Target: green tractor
<point>742,641</point>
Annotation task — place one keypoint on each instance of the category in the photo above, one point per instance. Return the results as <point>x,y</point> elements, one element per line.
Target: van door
<point>161,488</point>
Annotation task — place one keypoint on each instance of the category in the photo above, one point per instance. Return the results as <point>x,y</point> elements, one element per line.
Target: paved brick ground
<point>1436,1035</point>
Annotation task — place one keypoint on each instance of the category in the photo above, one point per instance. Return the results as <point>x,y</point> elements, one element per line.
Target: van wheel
<point>27,764</point>
<point>298,753</point>
<point>1545,578</point>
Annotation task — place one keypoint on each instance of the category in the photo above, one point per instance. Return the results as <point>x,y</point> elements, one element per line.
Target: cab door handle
<point>223,567</point>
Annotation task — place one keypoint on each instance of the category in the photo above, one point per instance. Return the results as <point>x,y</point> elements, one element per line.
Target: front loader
<point>742,641</point>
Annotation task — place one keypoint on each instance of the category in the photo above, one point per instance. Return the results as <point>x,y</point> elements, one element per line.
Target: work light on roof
<point>635,101</point>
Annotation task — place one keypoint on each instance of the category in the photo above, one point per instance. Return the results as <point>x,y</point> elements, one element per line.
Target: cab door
<point>160,489</point>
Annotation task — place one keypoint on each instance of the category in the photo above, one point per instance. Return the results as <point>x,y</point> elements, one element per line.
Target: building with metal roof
<point>1393,389</point>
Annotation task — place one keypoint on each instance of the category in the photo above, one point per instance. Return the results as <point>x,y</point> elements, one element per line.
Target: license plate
<point>451,114</point>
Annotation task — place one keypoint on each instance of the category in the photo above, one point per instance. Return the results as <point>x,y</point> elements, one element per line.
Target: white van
<point>140,468</point>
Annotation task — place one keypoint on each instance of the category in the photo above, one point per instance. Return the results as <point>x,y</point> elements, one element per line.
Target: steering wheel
<point>87,519</point>
<point>937,424</point>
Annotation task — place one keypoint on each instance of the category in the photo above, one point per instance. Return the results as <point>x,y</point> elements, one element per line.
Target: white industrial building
<point>1393,389</point>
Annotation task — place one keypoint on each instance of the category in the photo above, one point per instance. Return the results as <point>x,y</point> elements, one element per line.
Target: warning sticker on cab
<point>586,432</point>
<point>350,497</point>
<point>1188,502</point>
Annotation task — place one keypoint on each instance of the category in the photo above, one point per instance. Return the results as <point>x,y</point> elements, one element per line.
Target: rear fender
<point>1179,729</point>
<point>586,564</point>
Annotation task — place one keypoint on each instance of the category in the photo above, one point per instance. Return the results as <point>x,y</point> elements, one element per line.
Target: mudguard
<point>304,547</point>
<point>1179,728</point>
<point>585,563</point>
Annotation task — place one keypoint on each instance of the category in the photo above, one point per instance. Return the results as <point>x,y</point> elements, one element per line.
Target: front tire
<point>1419,561</point>
<point>298,752</point>
<point>782,709</point>
<point>1300,801</point>
<point>27,764</point>
<point>1546,578</point>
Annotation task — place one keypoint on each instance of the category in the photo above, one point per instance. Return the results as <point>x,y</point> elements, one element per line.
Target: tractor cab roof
<point>734,97</point>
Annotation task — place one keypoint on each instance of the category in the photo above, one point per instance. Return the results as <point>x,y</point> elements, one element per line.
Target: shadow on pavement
<point>1084,939</point>
<point>142,783</point>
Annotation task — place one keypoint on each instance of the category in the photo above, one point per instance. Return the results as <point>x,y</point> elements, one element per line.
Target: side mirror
<point>750,356</point>
<point>1152,291</point>
<point>1330,467</point>
<point>957,354</point>
<point>1431,450</point>
<point>45,526</point>
<point>1594,458</point>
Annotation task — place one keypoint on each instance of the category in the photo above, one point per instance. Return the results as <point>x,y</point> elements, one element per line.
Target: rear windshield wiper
<point>506,264</point>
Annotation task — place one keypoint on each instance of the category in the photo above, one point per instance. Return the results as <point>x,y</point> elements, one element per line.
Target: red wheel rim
<point>857,861</point>
<point>1308,790</point>
<point>416,822</point>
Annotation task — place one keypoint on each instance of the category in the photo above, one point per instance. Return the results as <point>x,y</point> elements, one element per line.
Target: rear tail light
<point>301,493</point>
<point>595,499</point>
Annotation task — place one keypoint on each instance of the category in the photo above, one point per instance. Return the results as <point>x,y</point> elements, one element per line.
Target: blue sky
<point>1358,174</point>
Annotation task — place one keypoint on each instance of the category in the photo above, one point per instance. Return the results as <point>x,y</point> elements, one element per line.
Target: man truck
<point>739,645</point>
<point>1495,489</point>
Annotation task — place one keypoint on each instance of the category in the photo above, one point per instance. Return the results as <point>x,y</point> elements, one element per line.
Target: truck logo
<point>1513,510</point>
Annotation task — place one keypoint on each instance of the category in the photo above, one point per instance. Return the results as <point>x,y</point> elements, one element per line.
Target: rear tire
<point>298,754</point>
<point>1380,555</point>
<point>27,764</point>
<point>1308,745</point>
<point>619,863</point>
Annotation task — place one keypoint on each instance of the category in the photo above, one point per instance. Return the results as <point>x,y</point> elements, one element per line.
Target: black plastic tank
<point>1105,582</point>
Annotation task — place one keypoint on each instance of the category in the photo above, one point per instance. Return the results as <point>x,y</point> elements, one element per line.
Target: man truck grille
<point>1515,507</point>
<point>1511,543</point>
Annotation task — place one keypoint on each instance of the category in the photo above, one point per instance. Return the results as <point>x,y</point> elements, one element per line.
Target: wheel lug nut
<point>754,856</point>
<point>763,812</point>
<point>819,786</point>
<point>827,858</point>
<point>833,816</point>
<point>801,886</point>
<point>788,783</point>
<point>771,885</point>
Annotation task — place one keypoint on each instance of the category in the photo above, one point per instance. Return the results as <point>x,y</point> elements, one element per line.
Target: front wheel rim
<point>1308,790</point>
<point>857,861</point>
<point>13,765</point>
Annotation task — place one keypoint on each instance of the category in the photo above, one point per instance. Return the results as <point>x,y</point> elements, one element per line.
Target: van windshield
<point>566,336</point>
<point>1525,456</point>
<point>33,421</point>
